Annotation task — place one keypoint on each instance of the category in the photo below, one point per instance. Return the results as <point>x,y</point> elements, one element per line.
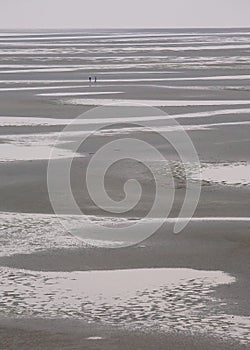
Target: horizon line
<point>123,28</point>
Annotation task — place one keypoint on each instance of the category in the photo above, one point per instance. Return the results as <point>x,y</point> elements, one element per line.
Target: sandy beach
<point>161,291</point>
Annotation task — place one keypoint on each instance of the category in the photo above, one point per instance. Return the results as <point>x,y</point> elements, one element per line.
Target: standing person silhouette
<point>90,80</point>
<point>95,79</point>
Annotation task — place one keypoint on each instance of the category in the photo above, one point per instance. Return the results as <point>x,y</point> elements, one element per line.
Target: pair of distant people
<point>90,79</point>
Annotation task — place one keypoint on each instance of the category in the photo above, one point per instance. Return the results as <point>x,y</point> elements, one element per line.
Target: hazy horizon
<point>118,28</point>
<point>109,14</point>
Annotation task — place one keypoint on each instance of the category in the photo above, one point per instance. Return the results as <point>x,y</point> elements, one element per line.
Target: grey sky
<point>123,13</point>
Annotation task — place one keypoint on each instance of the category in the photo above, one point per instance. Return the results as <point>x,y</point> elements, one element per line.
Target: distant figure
<point>95,80</point>
<point>89,80</point>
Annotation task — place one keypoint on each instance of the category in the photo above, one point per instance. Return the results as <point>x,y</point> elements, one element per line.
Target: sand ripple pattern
<point>165,299</point>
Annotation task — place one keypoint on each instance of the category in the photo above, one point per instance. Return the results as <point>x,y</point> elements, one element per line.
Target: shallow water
<point>159,103</point>
<point>168,299</point>
<point>226,173</point>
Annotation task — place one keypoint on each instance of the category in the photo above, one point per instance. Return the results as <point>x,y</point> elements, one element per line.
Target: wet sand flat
<point>184,291</point>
